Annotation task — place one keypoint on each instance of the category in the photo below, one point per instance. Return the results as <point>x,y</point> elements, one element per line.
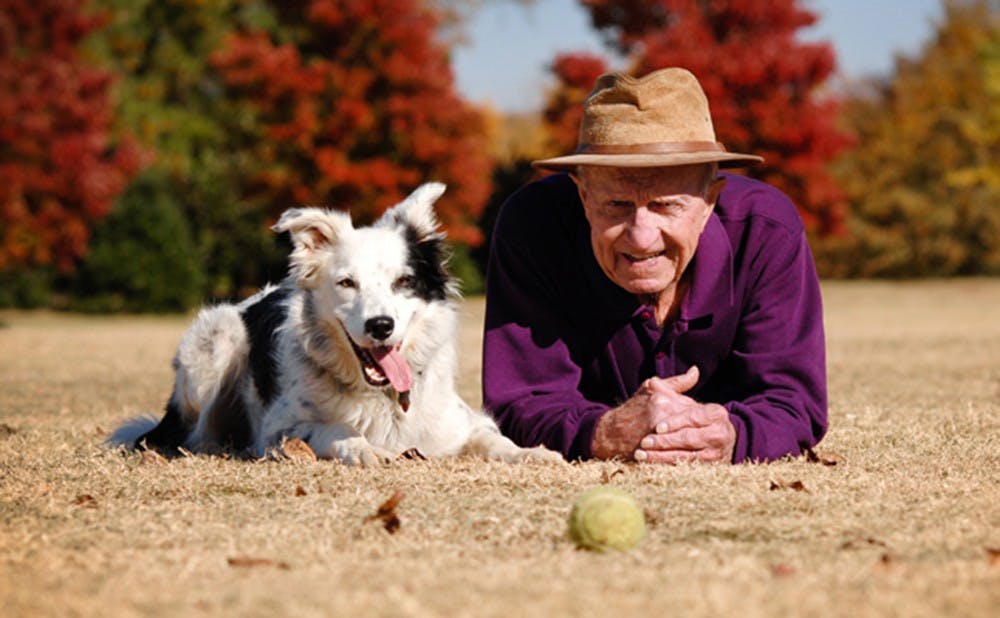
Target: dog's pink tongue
<point>395,367</point>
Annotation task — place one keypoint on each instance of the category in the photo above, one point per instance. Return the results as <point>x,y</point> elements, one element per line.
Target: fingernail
<point>661,427</point>
<point>647,442</point>
<point>640,455</point>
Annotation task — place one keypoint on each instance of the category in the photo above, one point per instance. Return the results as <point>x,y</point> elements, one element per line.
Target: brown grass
<point>907,523</point>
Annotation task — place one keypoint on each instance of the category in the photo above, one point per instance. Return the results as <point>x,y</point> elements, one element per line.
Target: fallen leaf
<point>7,430</point>
<point>296,449</point>
<point>607,476</point>
<point>248,562</point>
<point>826,458</point>
<point>993,555</point>
<point>795,485</point>
<point>867,541</point>
<point>386,513</point>
<point>412,453</point>
<point>299,491</point>
<point>782,570</point>
<point>85,501</point>
<point>886,563</point>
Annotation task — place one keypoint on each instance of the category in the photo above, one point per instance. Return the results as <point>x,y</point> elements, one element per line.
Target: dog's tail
<point>129,433</point>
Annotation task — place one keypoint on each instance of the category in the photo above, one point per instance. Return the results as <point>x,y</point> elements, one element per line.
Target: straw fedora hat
<point>658,120</point>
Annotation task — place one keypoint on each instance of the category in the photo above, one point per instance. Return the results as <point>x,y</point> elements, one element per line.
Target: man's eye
<point>347,283</point>
<point>404,283</point>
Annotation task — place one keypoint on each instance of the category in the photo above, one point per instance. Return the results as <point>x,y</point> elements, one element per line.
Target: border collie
<point>354,353</point>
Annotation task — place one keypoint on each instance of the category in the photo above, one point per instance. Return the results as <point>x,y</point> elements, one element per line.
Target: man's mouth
<point>637,259</point>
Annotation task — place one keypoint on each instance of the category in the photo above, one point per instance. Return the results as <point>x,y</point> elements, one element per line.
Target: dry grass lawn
<point>907,523</point>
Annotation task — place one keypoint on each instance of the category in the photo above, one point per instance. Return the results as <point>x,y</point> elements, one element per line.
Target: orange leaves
<point>386,513</point>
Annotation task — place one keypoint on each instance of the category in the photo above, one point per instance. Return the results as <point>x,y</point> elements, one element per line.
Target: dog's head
<point>372,281</point>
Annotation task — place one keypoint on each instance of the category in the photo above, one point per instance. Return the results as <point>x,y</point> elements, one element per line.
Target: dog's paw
<point>537,454</point>
<point>358,452</point>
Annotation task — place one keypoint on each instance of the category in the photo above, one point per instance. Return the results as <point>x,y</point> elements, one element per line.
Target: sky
<point>510,44</point>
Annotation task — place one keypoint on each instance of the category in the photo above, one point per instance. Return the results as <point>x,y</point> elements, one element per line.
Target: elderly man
<point>645,307</point>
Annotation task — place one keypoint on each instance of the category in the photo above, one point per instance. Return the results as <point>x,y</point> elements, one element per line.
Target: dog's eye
<point>347,282</point>
<point>404,283</point>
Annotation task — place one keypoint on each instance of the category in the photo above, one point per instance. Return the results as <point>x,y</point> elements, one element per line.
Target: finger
<point>688,439</point>
<point>678,456</point>
<point>695,415</point>
<point>679,383</point>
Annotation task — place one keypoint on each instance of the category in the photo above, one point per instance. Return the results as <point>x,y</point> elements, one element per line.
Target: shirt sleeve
<point>531,383</point>
<point>778,357</point>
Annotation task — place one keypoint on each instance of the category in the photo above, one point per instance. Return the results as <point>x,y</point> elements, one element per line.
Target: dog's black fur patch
<point>261,319</point>
<point>169,433</point>
<point>426,258</point>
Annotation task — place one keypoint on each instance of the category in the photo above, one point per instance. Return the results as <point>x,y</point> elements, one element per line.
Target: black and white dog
<point>354,352</point>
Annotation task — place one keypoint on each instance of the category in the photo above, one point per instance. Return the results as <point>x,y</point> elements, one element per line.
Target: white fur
<point>342,277</point>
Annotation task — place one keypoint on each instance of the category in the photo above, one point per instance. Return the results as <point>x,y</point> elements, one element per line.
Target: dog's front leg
<point>341,442</point>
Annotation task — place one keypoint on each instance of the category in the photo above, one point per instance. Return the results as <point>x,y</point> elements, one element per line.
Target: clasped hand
<point>660,424</point>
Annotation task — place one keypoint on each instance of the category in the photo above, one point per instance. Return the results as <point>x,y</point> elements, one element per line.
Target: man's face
<point>645,222</point>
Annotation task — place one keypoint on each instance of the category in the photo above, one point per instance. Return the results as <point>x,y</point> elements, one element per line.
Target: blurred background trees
<point>146,145</point>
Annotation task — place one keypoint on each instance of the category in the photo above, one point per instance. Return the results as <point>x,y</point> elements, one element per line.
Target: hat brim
<point>569,163</point>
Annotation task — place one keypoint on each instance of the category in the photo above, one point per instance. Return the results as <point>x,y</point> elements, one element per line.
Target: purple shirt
<point>563,343</point>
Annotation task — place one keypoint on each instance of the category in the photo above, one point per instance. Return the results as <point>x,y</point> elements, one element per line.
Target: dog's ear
<point>311,229</point>
<point>416,211</point>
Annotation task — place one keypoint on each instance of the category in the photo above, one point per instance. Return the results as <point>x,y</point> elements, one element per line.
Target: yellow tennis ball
<point>606,518</point>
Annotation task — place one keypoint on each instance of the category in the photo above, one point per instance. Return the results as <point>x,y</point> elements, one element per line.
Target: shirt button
<point>661,355</point>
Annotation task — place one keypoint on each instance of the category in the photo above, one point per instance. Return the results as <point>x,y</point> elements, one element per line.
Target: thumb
<point>683,382</point>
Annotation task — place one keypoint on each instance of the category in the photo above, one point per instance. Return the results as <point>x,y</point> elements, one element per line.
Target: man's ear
<point>311,229</point>
<point>714,191</point>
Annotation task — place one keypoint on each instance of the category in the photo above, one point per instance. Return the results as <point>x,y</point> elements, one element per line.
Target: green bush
<point>142,257</point>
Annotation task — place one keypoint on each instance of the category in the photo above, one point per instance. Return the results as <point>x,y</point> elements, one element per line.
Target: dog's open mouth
<point>383,365</point>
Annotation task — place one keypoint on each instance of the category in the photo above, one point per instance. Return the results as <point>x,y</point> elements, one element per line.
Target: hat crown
<point>662,107</point>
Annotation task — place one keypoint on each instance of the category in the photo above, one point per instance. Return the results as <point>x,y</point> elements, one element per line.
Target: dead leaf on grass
<point>386,513</point>
<point>85,501</point>
<point>249,562</point>
<point>300,491</point>
<point>607,476</point>
<point>7,430</point>
<point>825,458</point>
<point>296,449</point>
<point>795,485</point>
<point>993,556</point>
<point>782,570</point>
<point>886,564</point>
<point>865,542</point>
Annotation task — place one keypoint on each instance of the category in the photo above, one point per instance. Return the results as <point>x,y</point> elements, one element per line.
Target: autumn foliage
<point>60,170</point>
<point>924,183</point>
<point>762,85</point>
<point>358,110</point>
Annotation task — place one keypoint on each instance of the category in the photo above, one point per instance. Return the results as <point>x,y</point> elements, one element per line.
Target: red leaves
<point>57,172</point>
<point>360,113</point>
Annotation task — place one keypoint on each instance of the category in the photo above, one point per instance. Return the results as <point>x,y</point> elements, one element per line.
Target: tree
<point>60,166</point>
<point>356,107</point>
<point>924,181</point>
<point>177,104</point>
<point>761,82</point>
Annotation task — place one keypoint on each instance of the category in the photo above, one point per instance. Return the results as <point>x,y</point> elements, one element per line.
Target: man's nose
<point>643,230</point>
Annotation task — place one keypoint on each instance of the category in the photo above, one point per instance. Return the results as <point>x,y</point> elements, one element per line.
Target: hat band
<point>651,148</point>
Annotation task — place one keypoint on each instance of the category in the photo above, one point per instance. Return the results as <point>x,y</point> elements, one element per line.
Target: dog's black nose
<point>379,328</point>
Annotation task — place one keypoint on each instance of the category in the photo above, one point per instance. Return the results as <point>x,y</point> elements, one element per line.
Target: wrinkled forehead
<point>373,250</point>
<point>661,181</point>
